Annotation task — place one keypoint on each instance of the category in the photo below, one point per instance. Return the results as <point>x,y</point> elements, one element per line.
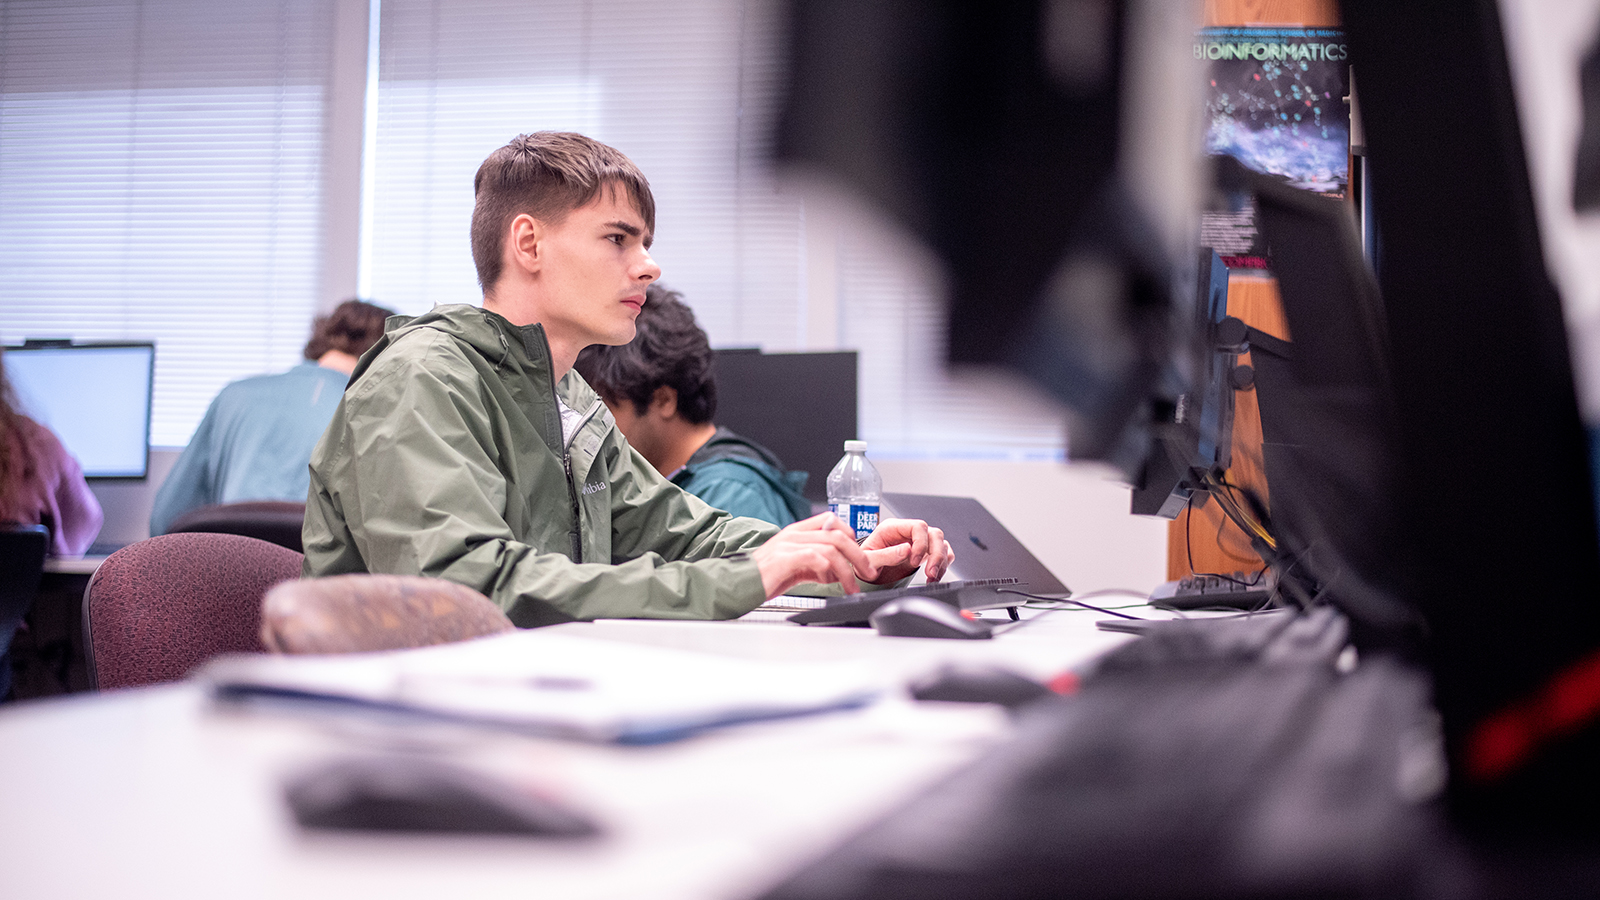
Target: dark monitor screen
<point>95,397</point>
<point>1198,435</point>
<point>1424,451</point>
<point>1007,140</point>
<point>801,406</point>
<point>1493,494</point>
<point>1327,413</point>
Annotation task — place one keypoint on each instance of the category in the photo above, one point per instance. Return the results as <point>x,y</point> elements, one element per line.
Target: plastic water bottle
<point>855,490</point>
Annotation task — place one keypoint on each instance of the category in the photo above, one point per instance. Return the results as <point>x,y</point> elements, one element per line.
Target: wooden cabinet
<point>1203,540</point>
<point>1306,13</point>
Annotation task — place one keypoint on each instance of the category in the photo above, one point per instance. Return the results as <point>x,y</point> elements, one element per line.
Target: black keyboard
<point>973,593</point>
<point>1211,758</point>
<point>1241,590</point>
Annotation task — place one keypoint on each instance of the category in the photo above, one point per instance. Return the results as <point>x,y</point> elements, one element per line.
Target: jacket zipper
<point>572,483</point>
<point>566,459</point>
<point>572,491</point>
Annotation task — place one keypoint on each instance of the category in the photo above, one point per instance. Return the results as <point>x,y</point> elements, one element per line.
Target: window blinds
<point>665,83</point>
<point>161,172</point>
<point>160,179</point>
<point>689,91</point>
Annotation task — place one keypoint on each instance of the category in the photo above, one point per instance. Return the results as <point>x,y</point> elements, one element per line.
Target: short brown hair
<point>352,327</point>
<point>546,174</point>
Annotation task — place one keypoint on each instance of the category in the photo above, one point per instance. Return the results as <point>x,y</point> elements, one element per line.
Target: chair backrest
<point>348,613</point>
<point>22,553</point>
<point>277,521</point>
<point>157,608</point>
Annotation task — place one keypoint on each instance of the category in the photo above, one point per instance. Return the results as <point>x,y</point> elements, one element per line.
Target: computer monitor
<point>997,138</point>
<point>1328,421</point>
<point>1493,496</point>
<point>94,396</point>
<point>1025,145</point>
<point>1195,438</point>
<point>801,406</point>
<point>1428,468</point>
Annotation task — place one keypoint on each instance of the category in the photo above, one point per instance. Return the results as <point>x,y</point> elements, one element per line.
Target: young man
<point>660,390</point>
<point>465,448</point>
<point>258,433</point>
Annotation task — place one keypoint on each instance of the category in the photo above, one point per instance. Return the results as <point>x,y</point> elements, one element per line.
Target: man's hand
<point>898,546</point>
<point>821,549</point>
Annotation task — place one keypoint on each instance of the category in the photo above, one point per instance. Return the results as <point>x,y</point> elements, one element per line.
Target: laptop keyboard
<point>853,609</point>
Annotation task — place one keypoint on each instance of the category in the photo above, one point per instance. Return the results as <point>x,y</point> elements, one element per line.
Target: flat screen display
<point>95,397</point>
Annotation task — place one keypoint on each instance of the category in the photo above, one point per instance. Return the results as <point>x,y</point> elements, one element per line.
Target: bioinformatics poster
<point>1276,102</point>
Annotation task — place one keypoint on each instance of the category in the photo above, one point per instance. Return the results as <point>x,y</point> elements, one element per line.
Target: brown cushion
<point>347,613</point>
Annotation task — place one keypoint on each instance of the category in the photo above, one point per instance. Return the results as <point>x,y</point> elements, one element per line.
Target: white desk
<point>150,793</point>
<point>73,565</point>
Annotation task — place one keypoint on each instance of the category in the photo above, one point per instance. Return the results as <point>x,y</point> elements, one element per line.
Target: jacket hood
<point>725,443</point>
<point>500,343</point>
<point>727,446</point>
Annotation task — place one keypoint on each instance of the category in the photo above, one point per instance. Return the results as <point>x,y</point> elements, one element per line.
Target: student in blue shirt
<point>660,389</point>
<point>256,438</point>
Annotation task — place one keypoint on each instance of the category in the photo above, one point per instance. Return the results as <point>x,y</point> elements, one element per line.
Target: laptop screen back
<point>983,547</point>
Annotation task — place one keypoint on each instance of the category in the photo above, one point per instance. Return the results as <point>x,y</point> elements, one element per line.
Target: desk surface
<point>73,565</point>
<point>152,792</point>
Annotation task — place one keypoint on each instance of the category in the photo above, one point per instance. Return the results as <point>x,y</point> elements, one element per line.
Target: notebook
<point>984,548</point>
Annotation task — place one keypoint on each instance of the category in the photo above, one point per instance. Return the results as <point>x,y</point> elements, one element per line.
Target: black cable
<point>1188,526</point>
<point>1108,592</point>
<point>1063,605</point>
<point>1098,609</point>
<point>1188,546</point>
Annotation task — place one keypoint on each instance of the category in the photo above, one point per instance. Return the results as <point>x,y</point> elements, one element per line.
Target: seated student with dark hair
<point>466,448</point>
<point>660,389</point>
<point>256,438</point>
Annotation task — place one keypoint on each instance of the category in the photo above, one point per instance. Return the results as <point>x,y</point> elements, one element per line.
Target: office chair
<point>349,613</point>
<point>277,521</point>
<point>22,553</point>
<point>157,608</point>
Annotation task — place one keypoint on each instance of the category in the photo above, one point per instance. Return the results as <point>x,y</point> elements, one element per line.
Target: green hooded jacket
<point>445,458</point>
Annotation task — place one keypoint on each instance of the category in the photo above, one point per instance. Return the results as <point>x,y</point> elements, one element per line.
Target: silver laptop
<point>983,547</point>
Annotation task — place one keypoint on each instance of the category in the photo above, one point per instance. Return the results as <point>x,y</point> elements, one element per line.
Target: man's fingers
<point>937,567</point>
<point>820,522</point>
<point>844,574</point>
<point>897,555</point>
<point>815,550</point>
<point>825,564</point>
<point>919,542</point>
<point>940,554</point>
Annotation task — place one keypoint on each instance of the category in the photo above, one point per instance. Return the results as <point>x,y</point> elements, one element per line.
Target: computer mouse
<point>403,793</point>
<point>978,684</point>
<point>926,617</point>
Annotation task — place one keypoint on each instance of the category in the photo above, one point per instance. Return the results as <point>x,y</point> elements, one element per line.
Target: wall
<point>127,503</point>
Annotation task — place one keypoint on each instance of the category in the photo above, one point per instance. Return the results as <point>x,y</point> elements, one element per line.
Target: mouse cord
<point>1098,609</point>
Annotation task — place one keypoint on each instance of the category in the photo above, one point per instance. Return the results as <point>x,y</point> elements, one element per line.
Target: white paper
<point>553,684</point>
